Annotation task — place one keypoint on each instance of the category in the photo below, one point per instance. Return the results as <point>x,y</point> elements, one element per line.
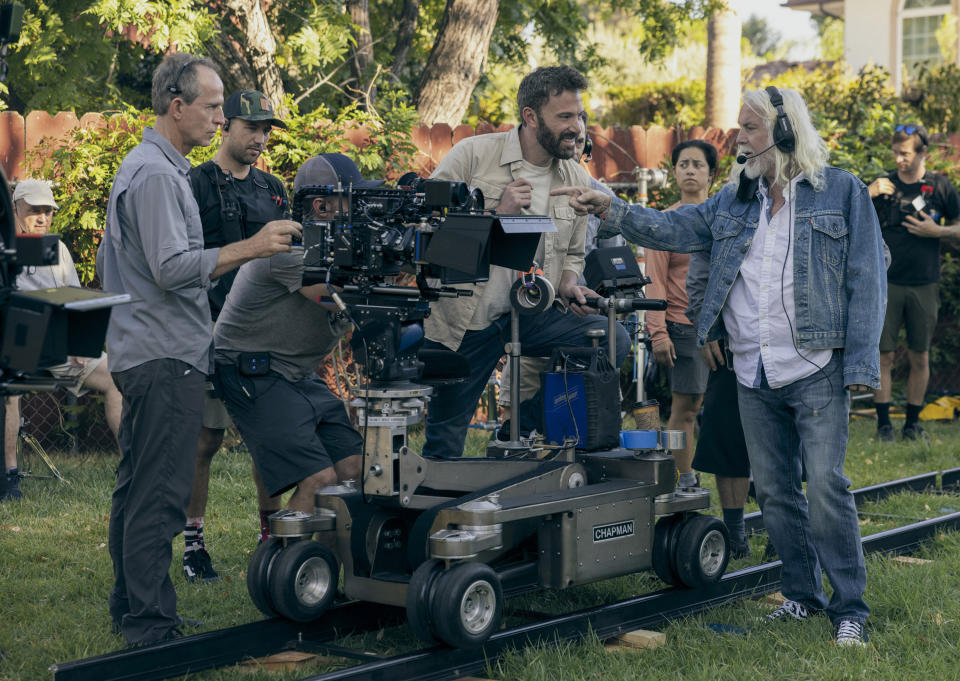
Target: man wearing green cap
<point>235,199</point>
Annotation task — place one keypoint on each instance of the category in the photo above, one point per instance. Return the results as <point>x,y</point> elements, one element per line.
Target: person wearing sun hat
<point>33,209</point>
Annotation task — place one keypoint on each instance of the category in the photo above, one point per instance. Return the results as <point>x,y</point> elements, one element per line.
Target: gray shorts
<point>215,416</point>
<point>78,374</point>
<point>912,307</point>
<point>689,373</point>
<point>293,430</point>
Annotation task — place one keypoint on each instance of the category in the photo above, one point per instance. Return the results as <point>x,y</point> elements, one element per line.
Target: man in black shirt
<point>916,209</point>
<point>235,199</point>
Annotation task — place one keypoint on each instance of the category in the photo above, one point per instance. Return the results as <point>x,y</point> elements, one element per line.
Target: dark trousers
<point>159,427</point>
<point>451,406</point>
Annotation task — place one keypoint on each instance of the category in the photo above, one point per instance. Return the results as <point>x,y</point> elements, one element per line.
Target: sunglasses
<point>912,130</point>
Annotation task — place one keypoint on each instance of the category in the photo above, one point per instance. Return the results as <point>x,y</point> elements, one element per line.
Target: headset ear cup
<point>783,135</point>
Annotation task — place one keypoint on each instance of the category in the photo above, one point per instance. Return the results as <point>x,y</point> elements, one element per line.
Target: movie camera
<point>361,241</point>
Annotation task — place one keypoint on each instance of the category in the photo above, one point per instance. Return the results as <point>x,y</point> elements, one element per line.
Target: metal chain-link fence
<point>63,422</point>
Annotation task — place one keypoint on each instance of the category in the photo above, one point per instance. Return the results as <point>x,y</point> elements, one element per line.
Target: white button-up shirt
<point>759,315</point>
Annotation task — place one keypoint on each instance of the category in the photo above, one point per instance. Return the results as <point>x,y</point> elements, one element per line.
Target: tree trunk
<point>246,52</point>
<point>723,70</point>
<point>363,52</point>
<point>456,61</point>
<point>406,30</point>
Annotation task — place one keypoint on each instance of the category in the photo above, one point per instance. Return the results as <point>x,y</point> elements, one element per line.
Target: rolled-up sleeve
<point>165,214</point>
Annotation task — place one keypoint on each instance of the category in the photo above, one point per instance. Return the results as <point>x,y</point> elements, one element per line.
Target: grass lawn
<point>55,575</point>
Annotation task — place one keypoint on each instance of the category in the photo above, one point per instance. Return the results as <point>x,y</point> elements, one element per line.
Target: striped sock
<point>193,535</point>
<point>265,524</point>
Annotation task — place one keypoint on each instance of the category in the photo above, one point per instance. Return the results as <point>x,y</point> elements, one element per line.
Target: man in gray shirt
<point>159,344</point>
<point>271,335</point>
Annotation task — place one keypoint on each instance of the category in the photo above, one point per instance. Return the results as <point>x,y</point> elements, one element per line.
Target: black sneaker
<point>740,550</point>
<point>198,568</point>
<point>13,487</point>
<point>789,610</point>
<point>851,633</point>
<point>885,433</point>
<point>914,431</point>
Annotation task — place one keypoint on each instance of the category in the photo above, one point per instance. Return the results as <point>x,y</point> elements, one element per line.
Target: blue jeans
<point>452,406</point>
<point>804,425</point>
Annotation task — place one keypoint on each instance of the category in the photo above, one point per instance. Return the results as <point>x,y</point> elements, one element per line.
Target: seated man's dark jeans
<point>452,406</point>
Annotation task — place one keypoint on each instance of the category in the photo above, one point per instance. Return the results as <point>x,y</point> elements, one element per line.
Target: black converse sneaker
<point>851,633</point>
<point>789,610</point>
<point>198,568</point>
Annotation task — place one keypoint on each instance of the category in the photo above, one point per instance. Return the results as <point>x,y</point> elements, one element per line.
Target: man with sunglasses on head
<point>236,200</point>
<point>916,209</point>
<point>160,344</point>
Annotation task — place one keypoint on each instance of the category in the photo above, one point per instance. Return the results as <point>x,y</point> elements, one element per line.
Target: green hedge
<point>84,169</point>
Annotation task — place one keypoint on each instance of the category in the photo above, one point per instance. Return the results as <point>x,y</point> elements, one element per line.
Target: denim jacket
<point>840,287</point>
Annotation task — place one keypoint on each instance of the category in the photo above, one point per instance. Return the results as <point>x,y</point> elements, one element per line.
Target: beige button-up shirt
<point>491,162</point>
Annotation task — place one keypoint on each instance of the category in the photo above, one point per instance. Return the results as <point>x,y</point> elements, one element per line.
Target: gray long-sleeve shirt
<point>152,248</point>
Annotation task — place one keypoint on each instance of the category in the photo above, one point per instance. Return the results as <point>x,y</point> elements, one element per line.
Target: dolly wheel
<point>258,575</point>
<point>419,599</point>
<point>664,545</point>
<point>467,605</point>
<point>703,550</point>
<point>303,580</point>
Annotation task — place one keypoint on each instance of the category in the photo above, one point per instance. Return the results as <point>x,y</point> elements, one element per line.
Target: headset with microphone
<point>783,139</point>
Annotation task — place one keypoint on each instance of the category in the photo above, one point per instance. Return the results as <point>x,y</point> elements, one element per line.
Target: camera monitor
<point>466,245</point>
<point>42,328</point>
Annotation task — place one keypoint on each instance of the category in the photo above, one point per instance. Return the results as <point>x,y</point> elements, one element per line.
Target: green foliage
<point>85,49</point>
<point>84,169</point>
<point>168,23</point>
<point>84,172</point>
<point>761,36</point>
<point>831,39</point>
<point>938,89</point>
<point>678,102</point>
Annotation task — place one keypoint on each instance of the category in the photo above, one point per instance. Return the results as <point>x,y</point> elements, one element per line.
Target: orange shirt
<point>668,272</point>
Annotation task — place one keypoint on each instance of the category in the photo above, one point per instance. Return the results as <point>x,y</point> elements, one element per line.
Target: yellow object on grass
<point>944,409</point>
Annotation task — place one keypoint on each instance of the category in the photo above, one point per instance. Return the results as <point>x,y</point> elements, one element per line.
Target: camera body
<point>359,240</point>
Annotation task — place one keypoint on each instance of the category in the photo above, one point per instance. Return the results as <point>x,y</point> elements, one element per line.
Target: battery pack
<point>581,399</point>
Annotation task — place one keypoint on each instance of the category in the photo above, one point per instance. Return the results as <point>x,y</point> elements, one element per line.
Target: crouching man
<point>270,337</point>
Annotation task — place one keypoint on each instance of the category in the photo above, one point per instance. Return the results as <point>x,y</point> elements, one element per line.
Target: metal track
<point>236,644</point>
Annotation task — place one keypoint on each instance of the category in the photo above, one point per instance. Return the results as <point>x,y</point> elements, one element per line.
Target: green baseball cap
<point>251,105</point>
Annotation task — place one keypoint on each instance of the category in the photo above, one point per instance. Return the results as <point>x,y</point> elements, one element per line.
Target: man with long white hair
<point>797,287</point>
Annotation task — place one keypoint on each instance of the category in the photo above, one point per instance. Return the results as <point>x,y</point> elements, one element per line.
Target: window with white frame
<point>921,20</point>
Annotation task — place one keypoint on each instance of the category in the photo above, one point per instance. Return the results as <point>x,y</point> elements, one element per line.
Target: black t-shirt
<point>916,260</point>
<point>232,210</point>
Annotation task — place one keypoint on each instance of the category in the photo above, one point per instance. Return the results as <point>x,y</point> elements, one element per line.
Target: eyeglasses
<point>908,129</point>
<point>175,88</point>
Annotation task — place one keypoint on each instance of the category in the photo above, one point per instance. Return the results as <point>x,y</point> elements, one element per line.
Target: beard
<point>552,143</point>
<point>758,165</point>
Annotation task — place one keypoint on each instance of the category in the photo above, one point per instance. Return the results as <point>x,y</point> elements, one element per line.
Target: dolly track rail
<point>233,645</point>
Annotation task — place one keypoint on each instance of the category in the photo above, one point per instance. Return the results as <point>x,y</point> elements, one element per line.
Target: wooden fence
<point>616,150</point>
